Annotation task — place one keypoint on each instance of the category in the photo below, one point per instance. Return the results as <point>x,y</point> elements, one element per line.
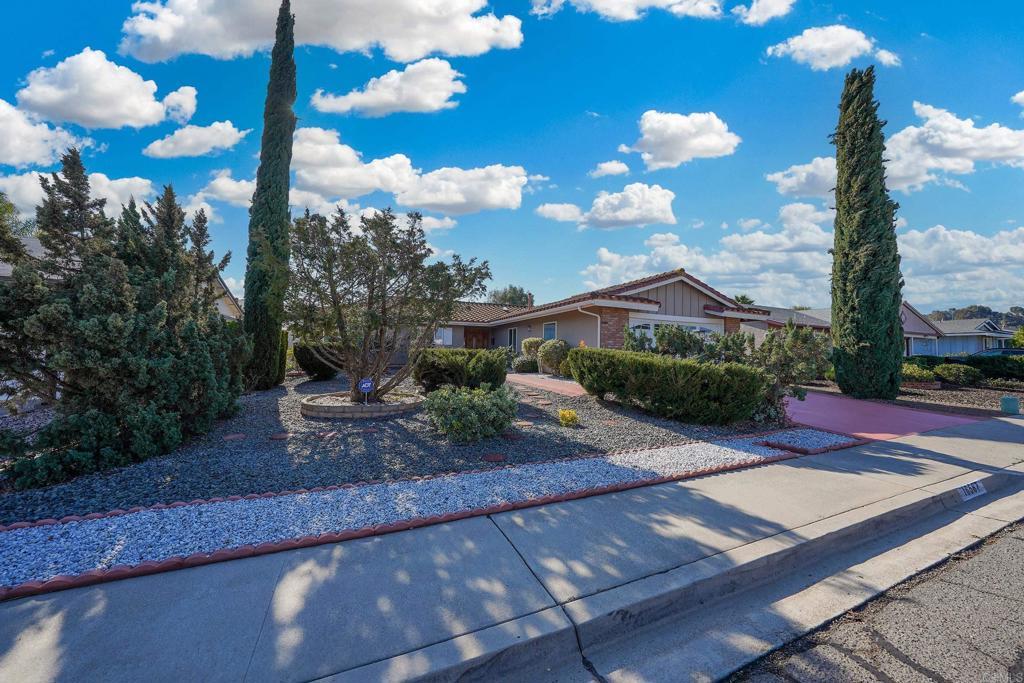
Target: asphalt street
<point>962,621</point>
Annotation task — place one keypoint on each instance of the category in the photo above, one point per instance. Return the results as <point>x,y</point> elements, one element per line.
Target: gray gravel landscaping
<point>810,439</point>
<point>269,446</point>
<point>39,553</point>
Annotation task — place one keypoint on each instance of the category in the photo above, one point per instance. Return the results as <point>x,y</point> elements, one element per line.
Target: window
<point>513,338</point>
<point>443,336</point>
<point>550,331</point>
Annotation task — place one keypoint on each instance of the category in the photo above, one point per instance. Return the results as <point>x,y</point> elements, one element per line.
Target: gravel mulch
<point>269,446</point>
<point>810,439</point>
<point>950,399</point>
<point>40,553</point>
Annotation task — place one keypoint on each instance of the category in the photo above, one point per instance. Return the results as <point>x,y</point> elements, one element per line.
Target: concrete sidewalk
<point>414,602</point>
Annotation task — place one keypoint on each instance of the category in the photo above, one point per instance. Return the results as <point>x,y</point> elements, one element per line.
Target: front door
<point>477,337</point>
<point>513,339</point>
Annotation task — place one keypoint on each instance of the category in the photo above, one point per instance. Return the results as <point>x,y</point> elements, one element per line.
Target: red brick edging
<point>117,572</point>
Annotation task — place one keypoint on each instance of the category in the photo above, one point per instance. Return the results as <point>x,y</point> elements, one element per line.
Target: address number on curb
<point>972,490</point>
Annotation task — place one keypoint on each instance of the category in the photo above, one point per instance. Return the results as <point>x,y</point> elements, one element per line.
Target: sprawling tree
<point>513,295</point>
<point>867,287</point>
<point>359,294</point>
<point>266,272</point>
<point>116,318</point>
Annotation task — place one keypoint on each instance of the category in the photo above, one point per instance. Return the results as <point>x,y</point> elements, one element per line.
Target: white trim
<point>567,308</point>
<point>674,318</point>
<point>508,338</point>
<point>979,333</point>
<point>545,324</point>
<point>682,278</point>
<point>598,316</point>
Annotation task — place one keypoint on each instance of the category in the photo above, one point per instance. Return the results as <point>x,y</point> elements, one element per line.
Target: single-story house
<point>970,336</point>
<point>598,318</point>
<point>227,305</point>
<point>920,333</point>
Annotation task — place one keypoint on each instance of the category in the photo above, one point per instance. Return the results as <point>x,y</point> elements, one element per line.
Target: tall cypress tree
<point>867,287</point>
<point>266,272</point>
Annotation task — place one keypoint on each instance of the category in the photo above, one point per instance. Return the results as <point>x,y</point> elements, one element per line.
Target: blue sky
<point>497,115</point>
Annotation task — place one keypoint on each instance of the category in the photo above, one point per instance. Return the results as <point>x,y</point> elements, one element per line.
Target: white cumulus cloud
<point>24,141</point>
<point>424,86</point>
<point>1019,99</point>
<point>814,179</point>
<point>466,190</point>
<point>613,167</point>
<point>194,141</point>
<point>637,205</point>
<point>829,47</point>
<point>630,10</point>
<point>94,92</point>
<point>761,12</point>
<point>25,191</point>
<point>566,213</point>
<point>668,140</point>
<point>406,30</point>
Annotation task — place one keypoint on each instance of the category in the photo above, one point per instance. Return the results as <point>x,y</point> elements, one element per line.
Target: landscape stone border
<point>354,411</point>
<point>145,568</point>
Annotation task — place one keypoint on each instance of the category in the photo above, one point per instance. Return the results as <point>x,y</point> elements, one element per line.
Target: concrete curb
<point>118,572</point>
<point>615,613</point>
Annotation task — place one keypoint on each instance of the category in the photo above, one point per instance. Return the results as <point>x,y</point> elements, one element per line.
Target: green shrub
<point>1006,384</point>
<point>488,367</point>
<point>926,362</point>
<point>524,364</point>
<point>466,415</point>
<point>916,373</point>
<point>531,345</point>
<point>996,367</point>
<point>636,340</point>
<point>435,368</point>
<point>732,347</point>
<point>955,373</point>
<point>564,369</point>
<point>677,341</point>
<point>830,374</point>
<point>311,364</point>
<point>551,354</point>
<point>686,390</point>
<point>282,358</point>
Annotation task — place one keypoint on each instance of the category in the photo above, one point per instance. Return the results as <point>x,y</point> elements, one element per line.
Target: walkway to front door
<point>564,387</point>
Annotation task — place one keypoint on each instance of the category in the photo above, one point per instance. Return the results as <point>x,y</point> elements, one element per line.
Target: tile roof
<point>470,311</point>
<point>482,312</point>
<point>780,316</point>
<point>963,326</point>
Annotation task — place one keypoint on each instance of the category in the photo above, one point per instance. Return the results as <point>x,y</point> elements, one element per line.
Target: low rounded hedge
<point>954,373</point>
<point>531,345</point>
<point>466,415</point>
<point>551,354</point>
<point>686,390</point>
<point>524,364</point>
<point>311,364</point>
<point>916,373</point>
<point>436,368</point>
<point>992,367</point>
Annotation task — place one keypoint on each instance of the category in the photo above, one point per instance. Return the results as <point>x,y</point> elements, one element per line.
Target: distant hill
<point>1013,318</point>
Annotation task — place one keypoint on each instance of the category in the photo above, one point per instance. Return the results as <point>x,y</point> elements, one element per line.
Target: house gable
<point>679,298</point>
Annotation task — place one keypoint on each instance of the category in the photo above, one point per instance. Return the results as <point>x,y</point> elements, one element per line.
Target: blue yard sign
<point>365,385</point>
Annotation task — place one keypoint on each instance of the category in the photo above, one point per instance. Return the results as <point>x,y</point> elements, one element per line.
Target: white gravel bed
<point>39,553</point>
<point>810,439</point>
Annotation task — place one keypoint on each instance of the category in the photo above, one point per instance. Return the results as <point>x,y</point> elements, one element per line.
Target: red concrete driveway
<point>565,387</point>
<point>866,419</point>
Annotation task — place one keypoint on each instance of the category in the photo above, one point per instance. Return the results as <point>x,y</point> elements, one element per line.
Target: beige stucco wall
<point>679,298</point>
<point>573,326</point>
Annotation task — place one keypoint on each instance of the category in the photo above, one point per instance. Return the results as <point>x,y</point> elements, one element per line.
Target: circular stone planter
<point>336,405</point>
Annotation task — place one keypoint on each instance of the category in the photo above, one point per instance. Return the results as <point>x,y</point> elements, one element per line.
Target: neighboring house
<point>227,305</point>
<point>970,336</point>
<point>598,318</point>
<point>920,334</point>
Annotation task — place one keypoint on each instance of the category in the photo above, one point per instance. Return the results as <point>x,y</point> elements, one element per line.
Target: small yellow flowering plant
<point>568,418</point>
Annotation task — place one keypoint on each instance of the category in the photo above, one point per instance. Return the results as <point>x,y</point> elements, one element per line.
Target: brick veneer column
<point>732,325</point>
<point>613,322</point>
